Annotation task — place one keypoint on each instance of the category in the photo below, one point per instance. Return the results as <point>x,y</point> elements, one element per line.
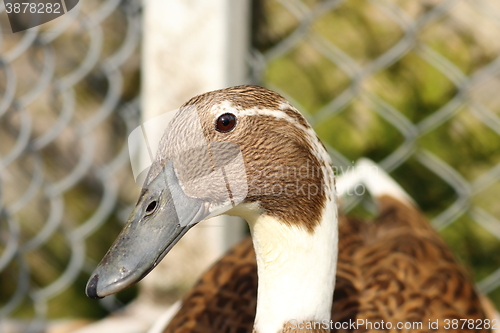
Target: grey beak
<point>196,184</point>
<point>163,214</point>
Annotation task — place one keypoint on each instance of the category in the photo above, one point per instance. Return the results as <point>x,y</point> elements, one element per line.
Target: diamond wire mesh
<point>424,76</point>
<point>69,97</point>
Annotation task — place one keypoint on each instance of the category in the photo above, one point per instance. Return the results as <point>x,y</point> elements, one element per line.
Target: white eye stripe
<point>318,151</point>
<point>224,107</point>
<point>309,134</point>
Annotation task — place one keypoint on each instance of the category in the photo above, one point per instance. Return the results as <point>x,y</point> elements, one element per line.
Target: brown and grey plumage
<point>394,268</point>
<point>246,151</point>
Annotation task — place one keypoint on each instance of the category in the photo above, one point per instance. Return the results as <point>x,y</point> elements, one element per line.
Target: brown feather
<point>395,268</point>
<point>278,157</point>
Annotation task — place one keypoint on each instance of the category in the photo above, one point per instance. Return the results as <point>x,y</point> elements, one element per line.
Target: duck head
<point>241,151</point>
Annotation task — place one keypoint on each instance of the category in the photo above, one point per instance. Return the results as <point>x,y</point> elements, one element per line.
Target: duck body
<point>394,270</point>
<point>245,151</point>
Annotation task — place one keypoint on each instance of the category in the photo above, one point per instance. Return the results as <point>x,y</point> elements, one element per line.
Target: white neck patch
<point>296,269</point>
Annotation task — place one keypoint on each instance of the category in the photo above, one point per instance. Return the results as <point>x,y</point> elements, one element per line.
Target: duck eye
<point>151,207</point>
<point>225,122</point>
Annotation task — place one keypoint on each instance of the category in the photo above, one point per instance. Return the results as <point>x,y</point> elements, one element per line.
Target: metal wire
<point>304,35</point>
<point>80,97</point>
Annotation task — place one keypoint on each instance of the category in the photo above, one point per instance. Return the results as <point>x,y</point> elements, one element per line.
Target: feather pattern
<point>392,269</point>
<point>394,273</point>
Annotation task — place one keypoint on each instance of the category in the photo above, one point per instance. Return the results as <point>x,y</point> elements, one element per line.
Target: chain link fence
<point>69,98</point>
<point>413,85</point>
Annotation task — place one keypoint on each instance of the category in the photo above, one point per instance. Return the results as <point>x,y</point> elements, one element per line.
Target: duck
<point>246,151</point>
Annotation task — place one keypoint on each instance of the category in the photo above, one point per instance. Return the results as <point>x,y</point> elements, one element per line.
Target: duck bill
<point>163,214</point>
<point>196,184</point>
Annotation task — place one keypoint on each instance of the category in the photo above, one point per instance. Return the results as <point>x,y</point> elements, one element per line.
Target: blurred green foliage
<point>363,31</point>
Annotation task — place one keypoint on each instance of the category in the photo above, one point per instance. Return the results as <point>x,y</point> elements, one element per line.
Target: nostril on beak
<point>91,289</point>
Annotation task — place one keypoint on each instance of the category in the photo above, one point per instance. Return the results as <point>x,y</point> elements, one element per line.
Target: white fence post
<point>191,47</point>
